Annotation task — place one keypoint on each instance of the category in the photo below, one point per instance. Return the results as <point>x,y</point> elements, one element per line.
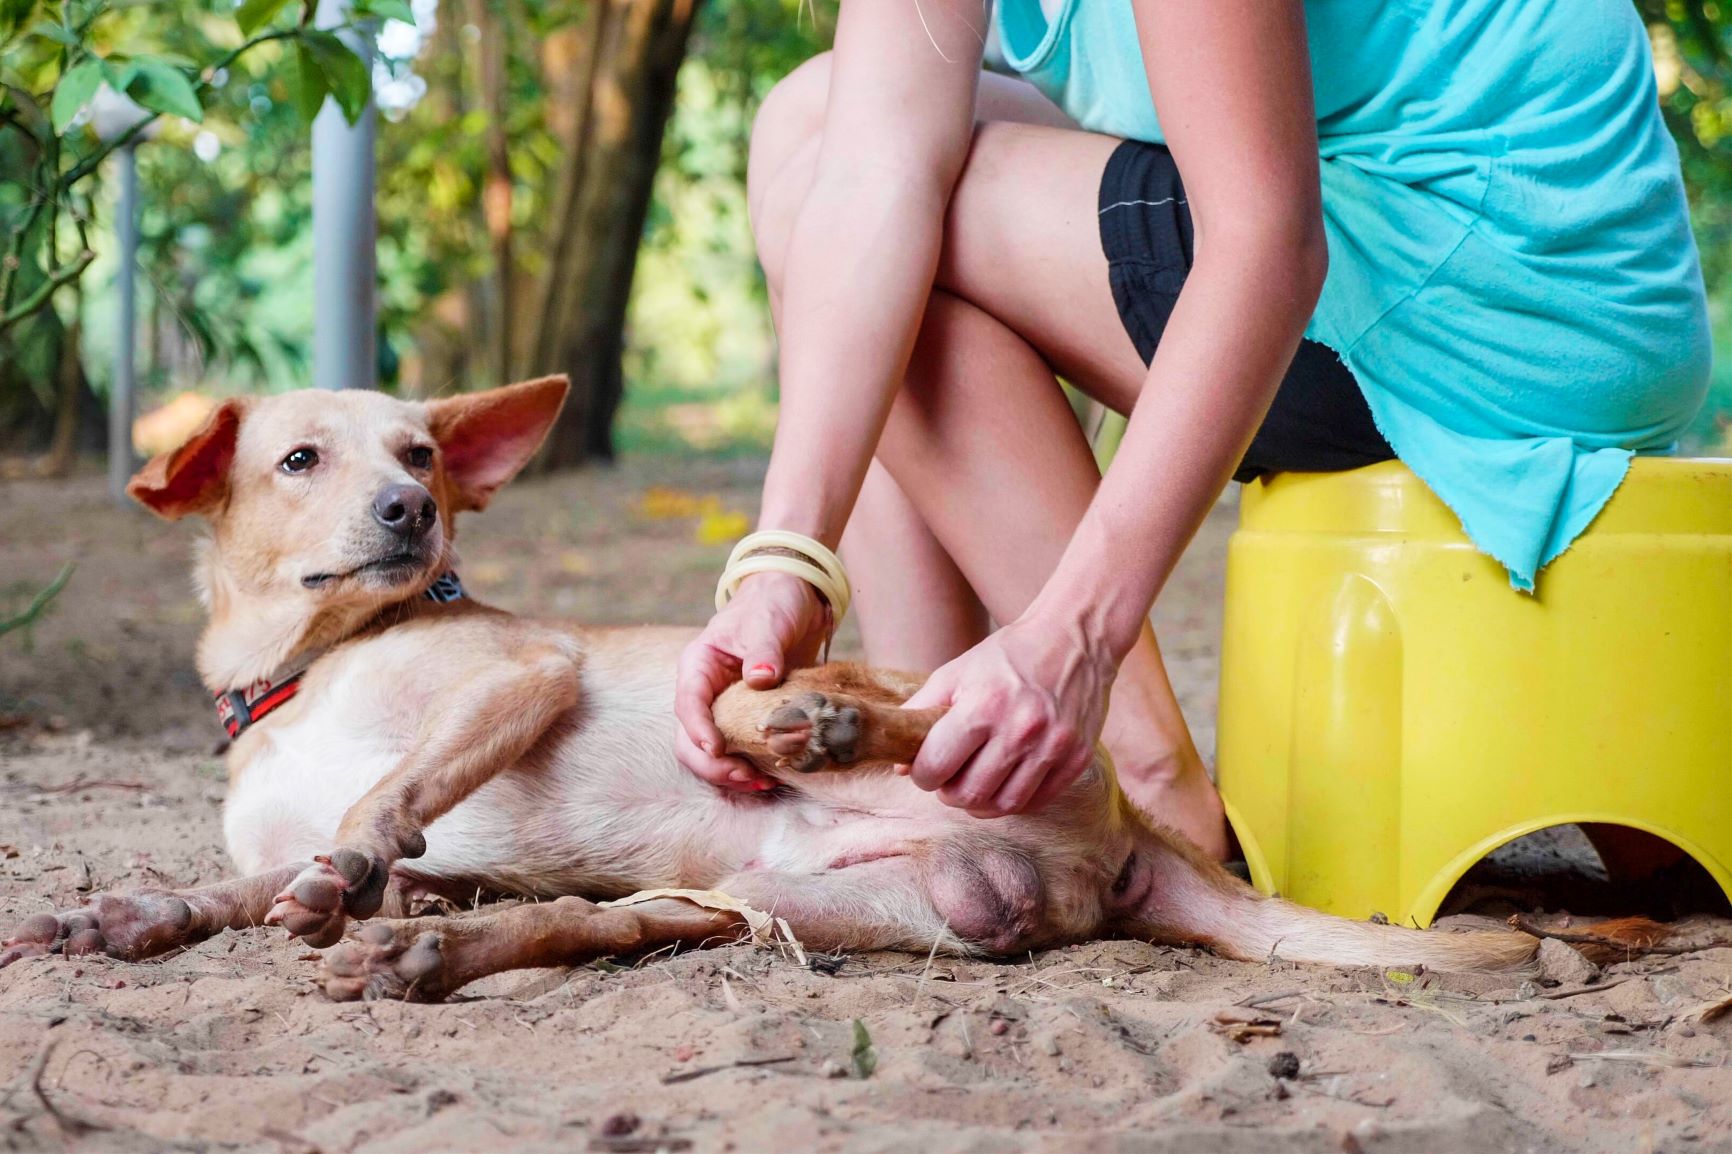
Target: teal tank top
<point>1512,277</point>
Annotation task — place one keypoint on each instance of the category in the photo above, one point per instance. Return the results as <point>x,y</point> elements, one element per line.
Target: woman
<point>1449,231</point>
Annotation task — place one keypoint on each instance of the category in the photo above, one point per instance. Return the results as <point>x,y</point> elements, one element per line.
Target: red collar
<point>239,709</point>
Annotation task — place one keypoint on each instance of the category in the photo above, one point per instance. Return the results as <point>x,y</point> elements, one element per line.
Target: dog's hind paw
<point>403,961</point>
<point>129,926</point>
<point>810,731</point>
<point>317,905</point>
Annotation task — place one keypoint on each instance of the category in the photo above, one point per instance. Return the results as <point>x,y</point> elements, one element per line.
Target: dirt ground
<point>108,779</point>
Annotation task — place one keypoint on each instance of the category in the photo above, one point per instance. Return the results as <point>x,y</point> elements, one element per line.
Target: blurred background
<point>561,187</point>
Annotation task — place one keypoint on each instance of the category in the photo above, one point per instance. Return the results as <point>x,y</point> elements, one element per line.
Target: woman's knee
<point>785,134</point>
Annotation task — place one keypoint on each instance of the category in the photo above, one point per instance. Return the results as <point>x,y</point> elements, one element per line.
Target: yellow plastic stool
<point>1392,711</point>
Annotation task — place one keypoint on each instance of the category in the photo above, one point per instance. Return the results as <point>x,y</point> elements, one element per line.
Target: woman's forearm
<point>1231,337</point>
<point>859,269</point>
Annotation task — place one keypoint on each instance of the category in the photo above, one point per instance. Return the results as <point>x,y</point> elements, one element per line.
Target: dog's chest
<point>293,777</point>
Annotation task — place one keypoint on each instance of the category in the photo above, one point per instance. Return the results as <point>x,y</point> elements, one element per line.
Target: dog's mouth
<point>394,568</point>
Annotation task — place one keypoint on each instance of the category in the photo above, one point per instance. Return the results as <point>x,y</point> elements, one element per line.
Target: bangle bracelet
<point>778,551</point>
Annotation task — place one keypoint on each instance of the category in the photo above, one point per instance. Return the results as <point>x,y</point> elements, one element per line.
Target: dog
<point>395,740</point>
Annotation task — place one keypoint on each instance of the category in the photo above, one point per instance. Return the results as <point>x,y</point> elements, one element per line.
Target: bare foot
<point>129,926</point>
<point>811,731</point>
<point>1176,792</point>
<point>317,904</point>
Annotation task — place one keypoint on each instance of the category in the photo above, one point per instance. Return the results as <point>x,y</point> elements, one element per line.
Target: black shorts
<point>1319,421</point>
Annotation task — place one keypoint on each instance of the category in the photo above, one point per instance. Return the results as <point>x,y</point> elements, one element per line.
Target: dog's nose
<point>406,510</point>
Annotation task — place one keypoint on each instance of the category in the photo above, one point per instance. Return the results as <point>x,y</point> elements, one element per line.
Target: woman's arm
<point>859,268</point>
<point>1232,82</point>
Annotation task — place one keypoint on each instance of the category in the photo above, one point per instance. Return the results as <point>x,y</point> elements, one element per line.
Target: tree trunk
<point>493,19</point>
<point>63,448</point>
<point>594,250</point>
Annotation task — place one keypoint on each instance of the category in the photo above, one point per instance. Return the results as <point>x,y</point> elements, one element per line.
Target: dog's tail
<point>1194,900</point>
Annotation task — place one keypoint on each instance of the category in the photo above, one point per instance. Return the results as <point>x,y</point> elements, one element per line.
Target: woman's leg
<point>915,608</point>
<point>981,442</point>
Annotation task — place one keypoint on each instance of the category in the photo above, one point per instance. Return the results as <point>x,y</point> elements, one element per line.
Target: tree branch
<point>63,275</point>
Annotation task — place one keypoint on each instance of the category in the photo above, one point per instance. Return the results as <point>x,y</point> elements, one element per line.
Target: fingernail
<point>761,786</point>
<point>708,747</point>
<point>740,777</point>
<point>904,770</point>
<point>762,671</point>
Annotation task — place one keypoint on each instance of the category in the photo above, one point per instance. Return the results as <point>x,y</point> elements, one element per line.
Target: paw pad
<point>809,731</point>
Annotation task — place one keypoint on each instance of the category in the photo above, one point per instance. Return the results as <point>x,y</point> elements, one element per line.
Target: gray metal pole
<point>344,235</point>
<point>121,399</point>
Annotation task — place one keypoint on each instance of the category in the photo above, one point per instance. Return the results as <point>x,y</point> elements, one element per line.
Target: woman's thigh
<point>1022,236</point>
<point>1022,243</point>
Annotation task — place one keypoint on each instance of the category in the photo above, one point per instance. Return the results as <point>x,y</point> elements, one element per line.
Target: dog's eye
<point>419,457</point>
<point>299,461</point>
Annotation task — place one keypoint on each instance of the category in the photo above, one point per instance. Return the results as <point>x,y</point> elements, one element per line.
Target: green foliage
<point>55,55</point>
<point>1693,69</point>
<point>39,603</point>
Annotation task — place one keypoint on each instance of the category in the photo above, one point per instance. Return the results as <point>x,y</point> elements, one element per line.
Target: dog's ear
<point>193,478</point>
<point>485,438</point>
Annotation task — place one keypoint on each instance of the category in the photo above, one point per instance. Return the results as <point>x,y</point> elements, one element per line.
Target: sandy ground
<point>108,779</point>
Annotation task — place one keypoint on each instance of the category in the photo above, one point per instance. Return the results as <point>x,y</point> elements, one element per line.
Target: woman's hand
<point>774,621</point>
<point>1026,707</point>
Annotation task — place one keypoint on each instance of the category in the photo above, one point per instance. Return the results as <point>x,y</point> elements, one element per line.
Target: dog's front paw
<point>809,731</point>
<point>317,905</point>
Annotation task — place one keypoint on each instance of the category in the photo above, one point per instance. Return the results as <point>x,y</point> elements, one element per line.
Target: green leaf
<point>161,87</point>
<point>385,10</point>
<point>13,14</point>
<point>58,33</point>
<point>255,14</point>
<point>74,90</point>
<point>345,73</point>
<point>865,1058</point>
<point>307,83</point>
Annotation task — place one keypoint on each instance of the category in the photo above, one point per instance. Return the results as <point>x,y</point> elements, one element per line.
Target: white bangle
<point>779,551</point>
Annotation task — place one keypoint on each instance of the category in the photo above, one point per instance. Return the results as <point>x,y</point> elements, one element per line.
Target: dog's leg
<point>829,717</point>
<point>880,905</point>
<point>492,720</point>
<point>425,959</point>
<point>143,925</point>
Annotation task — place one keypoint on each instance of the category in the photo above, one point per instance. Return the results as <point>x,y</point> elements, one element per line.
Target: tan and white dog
<point>394,738</point>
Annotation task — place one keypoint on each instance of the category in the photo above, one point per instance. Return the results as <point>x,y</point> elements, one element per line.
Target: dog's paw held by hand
<point>811,731</point>
<point>317,905</point>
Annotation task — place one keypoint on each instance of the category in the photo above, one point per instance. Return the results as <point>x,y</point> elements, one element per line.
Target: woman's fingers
<point>727,772</point>
<point>977,783</point>
<point>947,748</point>
<point>703,673</point>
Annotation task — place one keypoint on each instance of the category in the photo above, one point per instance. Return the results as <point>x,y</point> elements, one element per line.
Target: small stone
<point>999,1026</point>
<point>1588,1077</point>
<point>833,1069</point>
<point>1284,1065</point>
<point>1563,963</point>
<point>683,1053</point>
<point>1049,1046</point>
<point>621,1124</point>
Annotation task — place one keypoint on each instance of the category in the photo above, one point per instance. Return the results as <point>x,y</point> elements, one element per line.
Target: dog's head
<point>339,501</point>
